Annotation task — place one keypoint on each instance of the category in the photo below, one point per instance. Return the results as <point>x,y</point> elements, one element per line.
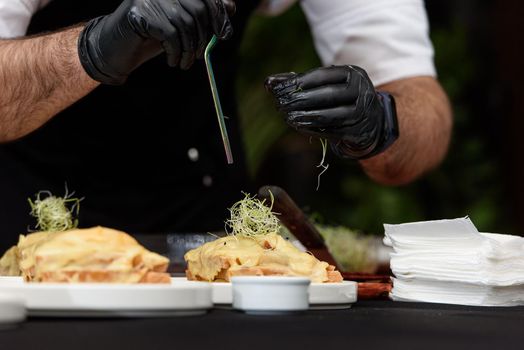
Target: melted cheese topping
<point>97,254</point>
<point>265,255</point>
<point>9,263</point>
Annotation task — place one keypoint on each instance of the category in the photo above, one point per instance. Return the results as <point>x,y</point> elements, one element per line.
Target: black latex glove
<point>338,103</point>
<point>112,46</point>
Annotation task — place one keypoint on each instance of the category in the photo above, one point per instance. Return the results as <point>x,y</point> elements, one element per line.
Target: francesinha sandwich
<point>254,248</point>
<point>267,255</point>
<point>62,253</point>
<point>94,255</point>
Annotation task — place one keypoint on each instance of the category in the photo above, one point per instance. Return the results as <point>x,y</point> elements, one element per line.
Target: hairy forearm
<point>425,122</point>
<point>39,76</point>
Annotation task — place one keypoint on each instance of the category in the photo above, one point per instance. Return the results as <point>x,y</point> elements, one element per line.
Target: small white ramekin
<point>270,294</point>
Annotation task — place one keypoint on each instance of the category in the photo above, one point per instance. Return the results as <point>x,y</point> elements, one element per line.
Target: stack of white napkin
<point>449,261</point>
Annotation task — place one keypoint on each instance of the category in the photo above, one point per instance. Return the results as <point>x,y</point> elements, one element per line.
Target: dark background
<point>478,57</point>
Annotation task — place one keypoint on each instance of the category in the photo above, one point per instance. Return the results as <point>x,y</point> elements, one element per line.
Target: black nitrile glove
<point>340,104</point>
<point>111,47</point>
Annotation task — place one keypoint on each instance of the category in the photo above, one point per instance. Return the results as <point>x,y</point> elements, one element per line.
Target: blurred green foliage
<point>467,183</point>
<point>271,45</point>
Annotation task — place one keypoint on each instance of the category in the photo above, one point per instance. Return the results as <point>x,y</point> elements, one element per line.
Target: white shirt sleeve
<point>388,38</point>
<point>15,16</point>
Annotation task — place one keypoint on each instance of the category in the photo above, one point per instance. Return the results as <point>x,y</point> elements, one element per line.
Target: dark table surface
<point>368,324</point>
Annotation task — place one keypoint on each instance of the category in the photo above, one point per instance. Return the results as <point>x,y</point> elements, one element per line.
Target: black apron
<point>125,148</point>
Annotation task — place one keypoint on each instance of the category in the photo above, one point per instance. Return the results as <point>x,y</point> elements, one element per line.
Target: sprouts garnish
<point>55,214</point>
<point>322,165</point>
<point>250,217</point>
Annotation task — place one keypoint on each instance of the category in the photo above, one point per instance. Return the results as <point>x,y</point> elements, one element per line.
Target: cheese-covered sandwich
<point>94,255</point>
<point>263,255</point>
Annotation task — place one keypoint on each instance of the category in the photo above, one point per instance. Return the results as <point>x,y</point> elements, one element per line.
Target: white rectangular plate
<point>180,298</point>
<point>322,296</point>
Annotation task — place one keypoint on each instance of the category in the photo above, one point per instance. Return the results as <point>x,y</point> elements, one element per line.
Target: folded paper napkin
<point>449,261</point>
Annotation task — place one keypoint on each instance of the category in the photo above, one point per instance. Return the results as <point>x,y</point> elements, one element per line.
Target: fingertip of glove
<point>276,82</point>
<point>186,66</point>
<point>200,52</point>
<point>226,32</point>
<point>268,84</point>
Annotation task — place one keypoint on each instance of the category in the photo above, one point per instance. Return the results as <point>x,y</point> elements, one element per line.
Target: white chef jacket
<point>388,38</point>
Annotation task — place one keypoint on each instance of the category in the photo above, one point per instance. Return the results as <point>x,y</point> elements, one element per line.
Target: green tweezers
<point>216,99</point>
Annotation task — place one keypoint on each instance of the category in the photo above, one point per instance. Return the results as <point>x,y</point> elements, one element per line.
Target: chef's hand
<point>338,103</point>
<point>112,46</point>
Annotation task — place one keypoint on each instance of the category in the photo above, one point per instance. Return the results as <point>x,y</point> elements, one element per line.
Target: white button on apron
<point>193,154</point>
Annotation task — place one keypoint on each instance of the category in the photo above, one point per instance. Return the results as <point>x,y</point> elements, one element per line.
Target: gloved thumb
<point>231,7</point>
